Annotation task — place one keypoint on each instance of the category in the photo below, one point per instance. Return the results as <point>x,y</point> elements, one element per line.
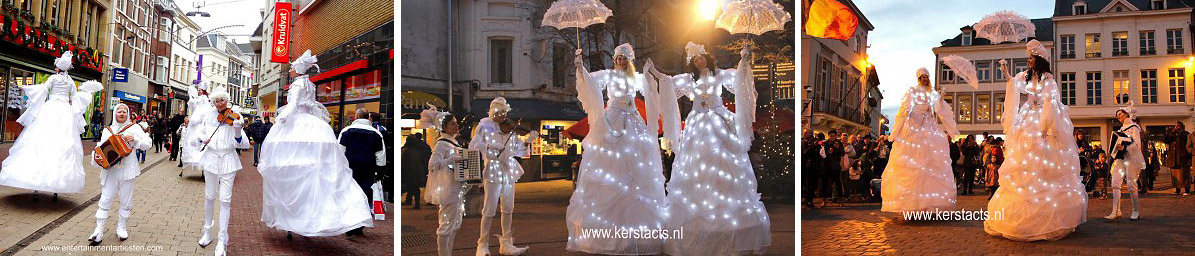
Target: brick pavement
<point>21,216</point>
<point>539,223</point>
<point>167,215</point>
<point>1164,228</point>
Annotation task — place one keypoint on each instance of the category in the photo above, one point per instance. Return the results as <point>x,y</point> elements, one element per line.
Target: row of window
<point>1080,7</point>
<point>1122,89</point>
<point>836,81</point>
<point>61,13</point>
<point>1120,44</point>
<point>985,70</point>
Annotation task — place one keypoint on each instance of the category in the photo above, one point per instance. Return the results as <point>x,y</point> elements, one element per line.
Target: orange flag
<point>831,19</point>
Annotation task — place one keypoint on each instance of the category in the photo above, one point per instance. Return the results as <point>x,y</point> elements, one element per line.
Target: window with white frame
<point>983,70</point>
<point>1146,43</point>
<point>1066,46</point>
<point>501,61</point>
<point>1095,88</point>
<point>1149,86</point>
<point>1080,8</point>
<point>1067,87</point>
<point>1120,86</point>
<point>1178,85</point>
<point>1120,43</point>
<point>966,37</point>
<point>1092,43</point>
<point>947,76</point>
<point>1158,4</point>
<point>1174,41</point>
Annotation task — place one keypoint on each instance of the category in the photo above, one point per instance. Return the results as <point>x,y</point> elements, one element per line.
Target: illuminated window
<point>1120,86</point>
<point>964,108</point>
<point>1092,43</point>
<point>1178,85</point>
<point>983,107</point>
<point>999,107</point>
<point>1120,44</point>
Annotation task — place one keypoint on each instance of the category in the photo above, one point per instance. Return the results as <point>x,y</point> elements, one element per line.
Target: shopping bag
<point>379,206</point>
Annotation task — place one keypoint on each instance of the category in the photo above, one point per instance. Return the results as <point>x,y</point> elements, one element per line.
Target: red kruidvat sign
<point>280,44</point>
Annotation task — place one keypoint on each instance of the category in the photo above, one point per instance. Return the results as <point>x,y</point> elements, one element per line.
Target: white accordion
<point>468,169</point>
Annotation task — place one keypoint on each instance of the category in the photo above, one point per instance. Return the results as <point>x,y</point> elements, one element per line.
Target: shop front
<point>356,77</point>
<point>135,102</point>
<point>177,101</point>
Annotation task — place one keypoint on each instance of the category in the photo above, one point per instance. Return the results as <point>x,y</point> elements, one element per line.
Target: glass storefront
<point>14,102</point>
<point>343,96</point>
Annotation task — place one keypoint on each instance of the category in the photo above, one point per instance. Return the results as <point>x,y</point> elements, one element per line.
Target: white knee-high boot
<point>209,210</point>
<point>98,234</point>
<point>1115,205</point>
<point>1136,209</point>
<point>483,243</point>
<point>506,241</point>
<point>222,240</point>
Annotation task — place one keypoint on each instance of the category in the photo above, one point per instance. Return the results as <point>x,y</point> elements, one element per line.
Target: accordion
<point>112,151</point>
<point>468,169</point>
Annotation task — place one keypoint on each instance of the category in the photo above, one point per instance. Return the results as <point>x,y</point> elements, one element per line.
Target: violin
<point>509,125</point>
<point>227,116</point>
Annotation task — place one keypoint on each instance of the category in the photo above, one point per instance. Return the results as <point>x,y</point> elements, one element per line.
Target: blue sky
<point>907,31</point>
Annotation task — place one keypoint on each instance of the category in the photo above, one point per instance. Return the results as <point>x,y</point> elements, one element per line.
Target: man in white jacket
<point>118,180</point>
<point>499,146</point>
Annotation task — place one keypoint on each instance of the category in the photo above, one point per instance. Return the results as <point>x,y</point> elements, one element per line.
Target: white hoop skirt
<point>48,154</point>
<point>713,191</point>
<point>918,178</point>
<point>307,186</point>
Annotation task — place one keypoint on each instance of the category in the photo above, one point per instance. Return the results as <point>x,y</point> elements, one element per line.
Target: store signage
<point>280,45</point>
<point>45,41</point>
<point>414,102</point>
<point>129,97</point>
<point>120,75</point>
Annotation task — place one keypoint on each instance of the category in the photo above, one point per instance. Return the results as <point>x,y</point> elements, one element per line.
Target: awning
<point>532,109</point>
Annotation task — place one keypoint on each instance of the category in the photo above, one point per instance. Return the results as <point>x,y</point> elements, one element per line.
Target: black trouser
<point>365,177</point>
<point>157,142</point>
<point>174,138</point>
<point>968,178</point>
<point>809,179</point>
<point>831,185</point>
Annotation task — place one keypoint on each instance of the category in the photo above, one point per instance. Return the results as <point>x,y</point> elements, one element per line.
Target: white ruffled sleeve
<point>37,94</point>
<point>740,82</point>
<point>651,102</point>
<point>1055,117</point>
<point>589,92</point>
<point>1012,100</point>
<point>899,131</point>
<point>668,96</point>
<point>945,113</point>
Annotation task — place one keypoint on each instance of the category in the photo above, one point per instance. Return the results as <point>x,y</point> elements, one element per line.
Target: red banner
<point>280,43</point>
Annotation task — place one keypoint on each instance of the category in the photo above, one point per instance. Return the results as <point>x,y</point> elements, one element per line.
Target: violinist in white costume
<point>219,136</point>
<point>499,145</point>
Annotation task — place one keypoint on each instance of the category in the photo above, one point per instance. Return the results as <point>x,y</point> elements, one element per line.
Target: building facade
<point>1109,53</point>
<point>271,76</point>
<point>224,64</point>
<point>183,61</point>
<point>53,27</point>
<point>841,86</point>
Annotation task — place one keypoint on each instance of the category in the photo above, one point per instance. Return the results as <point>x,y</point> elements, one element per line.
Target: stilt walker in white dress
<point>620,184</point>
<point>499,145</point>
<point>713,194</point>
<point>1041,196</point>
<point>117,181</point>
<point>200,105</point>
<point>218,142</point>
<point>442,188</point>
<point>48,155</point>
<point>1129,160</point>
<point>918,178</point>
<point>307,186</point>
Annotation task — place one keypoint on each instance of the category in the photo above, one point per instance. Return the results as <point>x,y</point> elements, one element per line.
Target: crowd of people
<point>840,165</point>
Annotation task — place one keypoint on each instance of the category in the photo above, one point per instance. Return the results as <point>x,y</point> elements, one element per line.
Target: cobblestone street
<point>166,219</point>
<point>1164,228</point>
<point>539,224</point>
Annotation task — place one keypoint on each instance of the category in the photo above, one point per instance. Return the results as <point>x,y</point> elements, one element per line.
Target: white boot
<point>1136,206</point>
<point>97,235</point>
<point>507,246</point>
<point>483,243</point>
<point>444,245</point>
<point>1115,205</point>
<point>122,232</point>
<point>220,249</point>
<point>206,238</point>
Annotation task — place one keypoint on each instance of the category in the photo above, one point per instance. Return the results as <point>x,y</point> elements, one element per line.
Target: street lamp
<point>708,9</point>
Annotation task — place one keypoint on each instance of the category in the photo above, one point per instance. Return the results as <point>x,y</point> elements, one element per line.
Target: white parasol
<point>1005,26</point>
<point>753,17</point>
<point>576,14</point>
<point>963,68</point>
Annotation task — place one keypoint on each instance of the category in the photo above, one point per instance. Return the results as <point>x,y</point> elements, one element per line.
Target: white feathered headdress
<point>692,49</point>
<point>304,62</point>
<point>625,50</point>
<point>64,62</point>
<point>431,118</point>
<point>499,105</point>
<point>1036,48</point>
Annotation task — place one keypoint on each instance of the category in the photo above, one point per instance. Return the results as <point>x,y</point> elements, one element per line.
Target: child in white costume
<point>118,180</point>
<point>499,148</point>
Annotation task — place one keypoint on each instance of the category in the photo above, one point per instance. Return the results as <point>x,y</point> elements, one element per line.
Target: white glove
<point>532,136</point>
<point>746,51</point>
<point>578,58</point>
